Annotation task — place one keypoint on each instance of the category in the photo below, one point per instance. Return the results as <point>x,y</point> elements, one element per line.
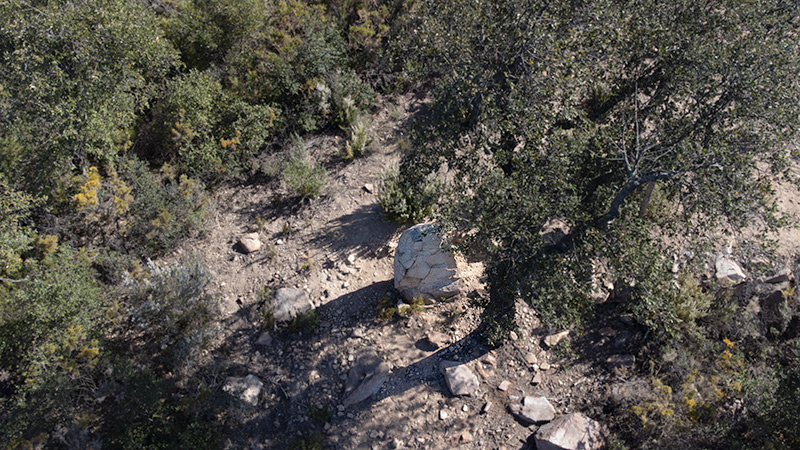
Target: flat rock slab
<point>571,432</point>
<point>245,389</point>
<point>289,302</point>
<point>534,410</point>
<point>424,266</point>
<point>460,379</point>
<point>365,378</point>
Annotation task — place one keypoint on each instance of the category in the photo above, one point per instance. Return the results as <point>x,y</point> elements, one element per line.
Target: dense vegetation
<point>623,120</point>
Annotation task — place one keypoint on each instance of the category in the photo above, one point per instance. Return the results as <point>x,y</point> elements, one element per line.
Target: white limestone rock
<point>728,271</point>
<point>424,266</point>
<point>571,432</point>
<point>246,389</point>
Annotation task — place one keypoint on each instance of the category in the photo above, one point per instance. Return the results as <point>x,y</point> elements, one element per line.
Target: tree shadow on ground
<point>364,232</point>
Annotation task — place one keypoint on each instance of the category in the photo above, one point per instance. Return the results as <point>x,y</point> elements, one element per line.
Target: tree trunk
<point>648,193</point>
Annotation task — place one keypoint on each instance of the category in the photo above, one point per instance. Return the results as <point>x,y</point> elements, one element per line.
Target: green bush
<point>360,139</point>
<point>205,32</point>
<point>163,208</point>
<point>297,59</point>
<point>306,321</point>
<point>77,75</point>
<point>148,415</point>
<point>171,309</point>
<point>49,330</point>
<point>187,116</point>
<point>404,202</point>
<point>304,178</point>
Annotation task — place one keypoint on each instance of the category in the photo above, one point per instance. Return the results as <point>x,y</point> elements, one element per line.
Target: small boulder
<point>424,266</point>
<point>265,340</point>
<point>289,302</point>
<point>460,379</point>
<point>246,389</point>
<point>571,432</point>
<point>250,243</point>
<point>553,340</point>
<point>365,378</point>
<point>534,410</point>
<point>728,271</point>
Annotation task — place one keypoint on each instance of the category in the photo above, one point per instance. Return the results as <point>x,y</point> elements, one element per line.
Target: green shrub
<point>17,239</point>
<point>205,32</point>
<point>72,94</point>
<point>360,139</point>
<point>385,310</point>
<point>298,60</point>
<point>148,415</point>
<point>163,208</point>
<point>311,441</point>
<point>306,321</point>
<point>403,202</point>
<point>304,178</point>
<point>171,309</point>
<point>49,330</point>
<point>187,117</point>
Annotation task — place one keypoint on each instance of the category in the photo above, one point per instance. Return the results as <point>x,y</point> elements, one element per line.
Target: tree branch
<point>9,280</point>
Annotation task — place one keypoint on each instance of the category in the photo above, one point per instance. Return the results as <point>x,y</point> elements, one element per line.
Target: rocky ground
<point>339,249</point>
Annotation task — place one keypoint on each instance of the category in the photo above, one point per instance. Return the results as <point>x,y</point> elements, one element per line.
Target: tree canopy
<point>567,110</point>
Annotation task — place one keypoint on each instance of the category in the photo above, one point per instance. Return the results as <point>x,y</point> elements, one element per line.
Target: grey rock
<point>460,379</point>
<point>250,243</point>
<point>504,385</point>
<point>246,389</point>
<point>424,266</point>
<point>728,271</point>
<point>571,432</point>
<point>365,378</point>
<point>781,276</point>
<point>264,340</point>
<point>289,302</point>
<point>534,410</point>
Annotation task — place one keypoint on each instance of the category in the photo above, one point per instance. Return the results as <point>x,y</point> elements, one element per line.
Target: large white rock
<point>424,266</point>
<point>728,272</point>
<point>289,302</point>
<point>246,389</point>
<point>571,432</point>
